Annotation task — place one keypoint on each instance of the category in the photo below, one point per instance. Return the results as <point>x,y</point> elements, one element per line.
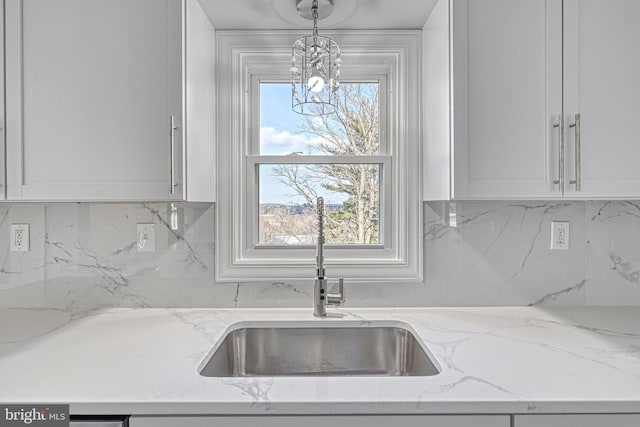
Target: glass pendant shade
<point>315,73</point>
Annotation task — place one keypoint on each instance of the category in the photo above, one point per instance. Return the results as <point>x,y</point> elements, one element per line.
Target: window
<point>340,157</point>
<point>364,161</point>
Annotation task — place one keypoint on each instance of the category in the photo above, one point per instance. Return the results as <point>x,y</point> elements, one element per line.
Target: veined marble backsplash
<point>84,256</point>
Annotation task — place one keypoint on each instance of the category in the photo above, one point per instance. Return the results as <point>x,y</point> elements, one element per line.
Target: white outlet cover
<point>19,237</point>
<point>560,235</point>
<point>146,237</point>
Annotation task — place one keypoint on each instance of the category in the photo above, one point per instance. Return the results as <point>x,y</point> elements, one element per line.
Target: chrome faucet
<point>321,297</point>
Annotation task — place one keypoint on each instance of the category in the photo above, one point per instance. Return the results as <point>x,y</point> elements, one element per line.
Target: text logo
<point>34,415</point>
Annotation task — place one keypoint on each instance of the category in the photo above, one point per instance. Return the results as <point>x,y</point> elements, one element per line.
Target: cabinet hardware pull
<point>578,180</point>
<point>172,156</point>
<point>560,180</point>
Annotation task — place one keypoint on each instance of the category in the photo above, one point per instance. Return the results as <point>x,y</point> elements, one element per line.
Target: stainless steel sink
<point>319,351</point>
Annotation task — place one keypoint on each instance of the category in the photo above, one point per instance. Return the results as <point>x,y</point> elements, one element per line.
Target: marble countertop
<point>493,360</point>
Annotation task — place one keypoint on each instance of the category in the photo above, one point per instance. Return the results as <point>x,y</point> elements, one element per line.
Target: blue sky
<point>279,124</point>
<point>279,135</point>
<point>275,110</point>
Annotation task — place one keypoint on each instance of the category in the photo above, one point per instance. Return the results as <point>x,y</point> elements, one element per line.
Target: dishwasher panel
<point>99,422</point>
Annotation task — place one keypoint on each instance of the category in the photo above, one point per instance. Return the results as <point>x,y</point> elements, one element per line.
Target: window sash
<point>387,213</point>
<point>384,159</point>
<point>384,147</point>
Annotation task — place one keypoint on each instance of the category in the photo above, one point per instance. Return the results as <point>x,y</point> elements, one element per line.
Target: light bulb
<point>315,82</point>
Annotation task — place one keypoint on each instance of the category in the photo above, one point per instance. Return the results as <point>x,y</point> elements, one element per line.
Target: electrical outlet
<point>146,238</point>
<point>19,237</point>
<point>560,235</point>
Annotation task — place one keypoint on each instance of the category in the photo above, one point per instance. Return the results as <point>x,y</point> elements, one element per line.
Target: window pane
<point>287,197</point>
<point>353,130</point>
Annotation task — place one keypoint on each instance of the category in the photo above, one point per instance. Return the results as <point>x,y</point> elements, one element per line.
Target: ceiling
<point>347,14</point>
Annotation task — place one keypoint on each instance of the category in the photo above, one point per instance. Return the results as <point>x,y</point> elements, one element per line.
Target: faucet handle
<point>337,299</point>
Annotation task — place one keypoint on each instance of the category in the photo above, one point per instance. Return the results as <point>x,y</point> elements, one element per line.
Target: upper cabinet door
<point>602,84</point>
<point>94,99</point>
<point>2,110</point>
<point>507,96</point>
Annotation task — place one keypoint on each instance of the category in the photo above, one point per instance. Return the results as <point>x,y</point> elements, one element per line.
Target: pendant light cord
<point>314,12</point>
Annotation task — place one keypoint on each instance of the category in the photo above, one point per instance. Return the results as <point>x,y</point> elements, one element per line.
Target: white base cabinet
<point>586,420</point>
<point>325,421</point>
<point>556,420</point>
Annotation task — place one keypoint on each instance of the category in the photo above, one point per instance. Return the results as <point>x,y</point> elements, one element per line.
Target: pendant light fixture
<point>315,65</point>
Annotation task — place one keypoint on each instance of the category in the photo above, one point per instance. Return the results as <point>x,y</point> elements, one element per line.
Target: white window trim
<point>243,57</point>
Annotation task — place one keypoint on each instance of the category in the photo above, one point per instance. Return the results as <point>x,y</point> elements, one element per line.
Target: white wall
<point>83,256</point>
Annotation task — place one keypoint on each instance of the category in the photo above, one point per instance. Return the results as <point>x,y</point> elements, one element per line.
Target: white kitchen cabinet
<point>586,420</point>
<point>491,98</point>
<point>96,100</point>
<point>601,69</point>
<point>499,77</point>
<point>2,116</point>
<point>325,420</point>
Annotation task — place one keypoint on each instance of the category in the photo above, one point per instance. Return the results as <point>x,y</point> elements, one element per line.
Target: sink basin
<point>319,351</point>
